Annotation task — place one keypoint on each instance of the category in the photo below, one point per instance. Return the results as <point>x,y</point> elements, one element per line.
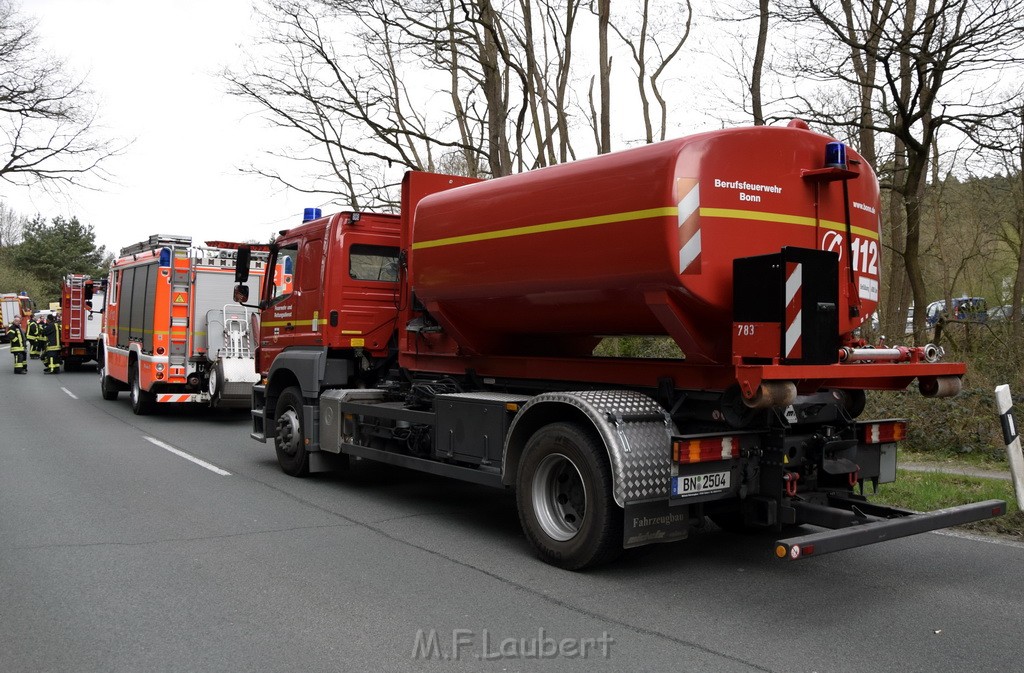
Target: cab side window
<point>284,273</point>
<point>309,264</point>
<point>373,262</point>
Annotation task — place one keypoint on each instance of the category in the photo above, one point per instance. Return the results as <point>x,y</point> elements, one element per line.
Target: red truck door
<point>293,315</point>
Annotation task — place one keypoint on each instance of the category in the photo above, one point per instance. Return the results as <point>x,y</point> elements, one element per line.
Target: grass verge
<point>925,491</point>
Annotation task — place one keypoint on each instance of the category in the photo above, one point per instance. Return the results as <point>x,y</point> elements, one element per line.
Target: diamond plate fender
<point>635,430</point>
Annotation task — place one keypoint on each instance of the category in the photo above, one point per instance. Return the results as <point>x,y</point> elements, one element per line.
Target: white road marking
<point>1001,541</point>
<point>70,394</point>
<point>179,452</point>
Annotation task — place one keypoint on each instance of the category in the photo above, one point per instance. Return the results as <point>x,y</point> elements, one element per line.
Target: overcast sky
<point>153,67</point>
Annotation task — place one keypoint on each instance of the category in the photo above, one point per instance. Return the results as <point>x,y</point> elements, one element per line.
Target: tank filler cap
<point>798,124</point>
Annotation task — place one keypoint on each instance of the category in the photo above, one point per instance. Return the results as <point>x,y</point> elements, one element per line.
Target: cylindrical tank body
<point>585,249</point>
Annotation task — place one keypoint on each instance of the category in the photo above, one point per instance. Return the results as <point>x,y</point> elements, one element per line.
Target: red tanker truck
<point>457,338</point>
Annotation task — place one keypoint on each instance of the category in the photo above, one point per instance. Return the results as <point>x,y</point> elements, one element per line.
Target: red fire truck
<point>80,325</point>
<point>168,336</point>
<point>14,307</point>
<point>458,339</point>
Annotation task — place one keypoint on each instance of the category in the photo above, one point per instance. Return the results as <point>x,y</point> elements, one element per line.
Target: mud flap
<point>654,521</point>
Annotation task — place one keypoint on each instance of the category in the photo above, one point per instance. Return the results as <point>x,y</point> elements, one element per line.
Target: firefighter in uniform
<point>17,340</point>
<point>36,340</point>
<point>51,358</point>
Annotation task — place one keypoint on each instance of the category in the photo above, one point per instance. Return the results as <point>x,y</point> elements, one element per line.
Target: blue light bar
<point>835,155</point>
<point>310,214</point>
<point>165,256</point>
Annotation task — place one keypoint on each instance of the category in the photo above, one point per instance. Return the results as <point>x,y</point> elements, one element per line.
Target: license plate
<point>700,484</point>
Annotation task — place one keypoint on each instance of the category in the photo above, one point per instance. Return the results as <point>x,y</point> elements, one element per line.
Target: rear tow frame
<point>855,522</point>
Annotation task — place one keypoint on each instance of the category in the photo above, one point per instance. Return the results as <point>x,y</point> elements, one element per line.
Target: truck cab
<point>334,283</point>
<point>332,287</point>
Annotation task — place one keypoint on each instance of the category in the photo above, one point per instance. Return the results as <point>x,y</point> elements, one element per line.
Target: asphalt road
<point>118,555</point>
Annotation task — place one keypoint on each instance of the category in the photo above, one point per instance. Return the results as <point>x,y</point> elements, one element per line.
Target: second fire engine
<point>168,336</point>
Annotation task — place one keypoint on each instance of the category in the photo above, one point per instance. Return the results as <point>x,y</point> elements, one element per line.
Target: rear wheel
<point>564,496</point>
<point>289,433</point>
<point>142,400</point>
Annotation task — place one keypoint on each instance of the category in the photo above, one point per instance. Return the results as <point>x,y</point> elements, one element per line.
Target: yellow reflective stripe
<point>784,219</point>
<point>671,211</point>
<point>668,211</point>
<point>758,215</point>
<point>282,323</point>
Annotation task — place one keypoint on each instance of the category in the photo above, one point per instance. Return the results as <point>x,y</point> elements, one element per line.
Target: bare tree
<point>604,13</point>
<point>367,87</point>
<point>663,30</point>
<point>12,225</point>
<point>758,67</point>
<point>749,65</point>
<point>1002,139</point>
<point>925,65</point>
<point>48,128</point>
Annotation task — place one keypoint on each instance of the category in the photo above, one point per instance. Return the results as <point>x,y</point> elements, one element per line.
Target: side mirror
<point>241,293</point>
<point>242,265</point>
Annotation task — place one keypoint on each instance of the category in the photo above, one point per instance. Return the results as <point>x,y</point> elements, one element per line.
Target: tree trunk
<point>604,76</point>
<point>755,79</point>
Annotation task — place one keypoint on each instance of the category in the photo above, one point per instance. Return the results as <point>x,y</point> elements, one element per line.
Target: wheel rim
<point>136,390</point>
<point>559,497</point>
<point>213,382</point>
<point>289,432</point>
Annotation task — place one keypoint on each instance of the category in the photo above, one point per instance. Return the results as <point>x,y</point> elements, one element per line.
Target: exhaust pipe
<point>772,394</point>
<point>940,386</point>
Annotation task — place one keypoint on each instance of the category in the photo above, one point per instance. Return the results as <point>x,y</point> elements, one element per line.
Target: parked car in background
<point>966,309</point>
<point>1003,313</point>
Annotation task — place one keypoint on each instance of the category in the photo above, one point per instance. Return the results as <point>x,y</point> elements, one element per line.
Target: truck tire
<point>289,434</point>
<point>142,400</point>
<point>215,383</point>
<point>108,388</point>
<point>564,497</point>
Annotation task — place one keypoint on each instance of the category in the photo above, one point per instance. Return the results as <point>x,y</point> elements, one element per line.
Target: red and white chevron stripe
<point>688,191</point>
<point>176,397</point>
<point>794,301</point>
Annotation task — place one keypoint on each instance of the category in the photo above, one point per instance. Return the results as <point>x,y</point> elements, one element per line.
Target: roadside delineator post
<point>1004,402</point>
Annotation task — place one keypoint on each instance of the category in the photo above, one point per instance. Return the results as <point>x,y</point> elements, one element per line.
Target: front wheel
<point>289,434</point>
<point>142,400</point>
<point>564,497</point>
<point>216,377</point>
<point>107,386</point>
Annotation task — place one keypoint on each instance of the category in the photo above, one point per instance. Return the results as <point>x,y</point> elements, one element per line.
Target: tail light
<point>883,432</point>
<point>701,450</point>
